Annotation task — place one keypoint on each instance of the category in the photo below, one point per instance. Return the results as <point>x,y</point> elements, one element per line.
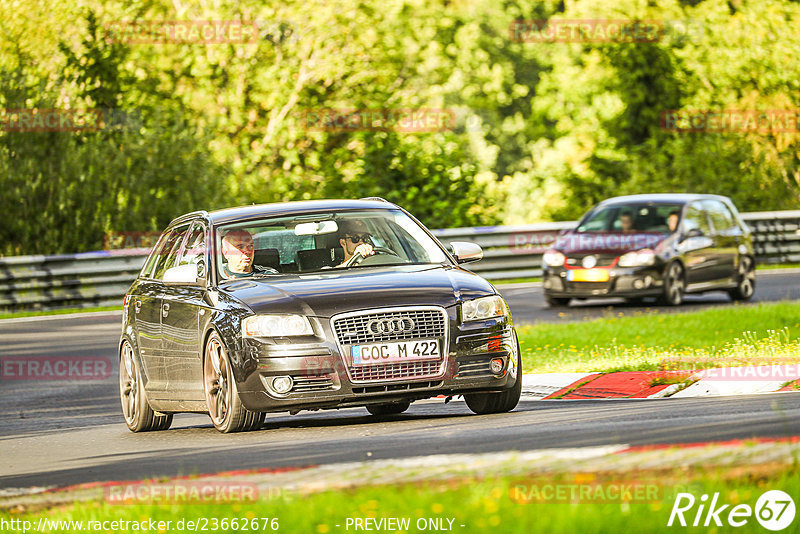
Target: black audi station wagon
<point>657,245</point>
<point>306,306</point>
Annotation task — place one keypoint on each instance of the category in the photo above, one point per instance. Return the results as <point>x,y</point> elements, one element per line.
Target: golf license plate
<point>403,351</point>
<point>588,275</point>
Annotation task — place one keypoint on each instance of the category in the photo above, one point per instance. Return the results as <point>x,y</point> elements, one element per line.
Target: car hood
<point>326,294</point>
<point>606,242</point>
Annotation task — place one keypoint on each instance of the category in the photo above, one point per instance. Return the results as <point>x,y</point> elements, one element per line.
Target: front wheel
<point>674,285</point>
<point>139,416</point>
<point>556,302</point>
<point>486,403</point>
<point>222,396</point>
<point>747,280</point>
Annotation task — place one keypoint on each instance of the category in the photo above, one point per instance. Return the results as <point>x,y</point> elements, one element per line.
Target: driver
<point>238,250</point>
<point>354,237</point>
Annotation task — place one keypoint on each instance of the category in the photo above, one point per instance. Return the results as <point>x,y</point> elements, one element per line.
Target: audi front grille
<point>392,325</point>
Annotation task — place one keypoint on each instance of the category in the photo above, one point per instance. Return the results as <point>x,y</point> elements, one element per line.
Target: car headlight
<point>553,258</point>
<point>638,258</point>
<point>276,326</point>
<point>483,308</point>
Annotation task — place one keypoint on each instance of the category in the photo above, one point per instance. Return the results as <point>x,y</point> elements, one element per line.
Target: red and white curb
<point>659,384</point>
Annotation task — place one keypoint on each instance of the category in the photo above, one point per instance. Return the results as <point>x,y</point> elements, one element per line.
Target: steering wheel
<point>358,258</point>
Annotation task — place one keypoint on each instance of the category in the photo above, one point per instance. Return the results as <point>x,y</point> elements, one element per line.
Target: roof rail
<point>380,199</point>
<point>188,216</point>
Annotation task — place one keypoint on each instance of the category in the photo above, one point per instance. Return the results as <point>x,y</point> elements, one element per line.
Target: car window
<point>696,219</point>
<point>633,217</point>
<point>169,253</point>
<point>721,217</point>
<point>285,245</point>
<point>194,249</point>
<point>154,255</point>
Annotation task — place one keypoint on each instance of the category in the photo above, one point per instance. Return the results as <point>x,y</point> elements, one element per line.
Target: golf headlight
<point>483,308</point>
<point>276,326</point>
<point>553,258</point>
<point>638,258</point>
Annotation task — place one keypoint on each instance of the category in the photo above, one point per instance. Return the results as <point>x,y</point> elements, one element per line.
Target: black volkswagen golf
<point>306,306</point>
<point>659,245</point>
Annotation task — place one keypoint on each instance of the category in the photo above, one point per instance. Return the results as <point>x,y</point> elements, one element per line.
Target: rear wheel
<point>556,302</point>
<point>392,408</point>
<point>674,285</point>
<point>222,396</point>
<point>485,403</point>
<point>747,280</point>
<point>139,416</point>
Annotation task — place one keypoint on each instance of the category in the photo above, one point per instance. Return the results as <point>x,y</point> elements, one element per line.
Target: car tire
<point>222,395</point>
<point>392,408</point>
<point>139,416</point>
<point>746,285</point>
<point>486,403</point>
<point>674,285</point>
<point>557,302</point>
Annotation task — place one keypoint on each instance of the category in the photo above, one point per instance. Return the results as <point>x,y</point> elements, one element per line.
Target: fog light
<point>497,365</point>
<point>282,384</point>
<point>638,284</point>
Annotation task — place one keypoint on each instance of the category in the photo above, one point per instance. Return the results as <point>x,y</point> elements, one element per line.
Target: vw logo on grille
<point>391,325</point>
<point>589,261</point>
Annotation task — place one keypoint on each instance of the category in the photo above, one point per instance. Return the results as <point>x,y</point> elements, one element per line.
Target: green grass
<point>773,266</point>
<point>497,505</point>
<point>729,335</point>
<point>64,311</point>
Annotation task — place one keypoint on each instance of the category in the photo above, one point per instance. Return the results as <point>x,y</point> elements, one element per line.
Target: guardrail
<point>101,278</point>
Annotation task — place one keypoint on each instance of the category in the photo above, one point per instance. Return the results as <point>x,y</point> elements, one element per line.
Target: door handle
<point>165,309</point>
<point>137,306</point>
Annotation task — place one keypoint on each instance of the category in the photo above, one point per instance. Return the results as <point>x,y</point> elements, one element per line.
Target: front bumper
<point>622,282</point>
<point>323,378</point>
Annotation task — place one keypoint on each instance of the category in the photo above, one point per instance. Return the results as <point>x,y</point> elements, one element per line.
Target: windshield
<point>649,217</point>
<point>323,242</point>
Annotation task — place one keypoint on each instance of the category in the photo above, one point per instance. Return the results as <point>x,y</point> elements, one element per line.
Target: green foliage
<point>541,130</point>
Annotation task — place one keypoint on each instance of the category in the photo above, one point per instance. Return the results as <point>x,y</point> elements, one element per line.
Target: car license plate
<point>422,349</point>
<point>588,275</point>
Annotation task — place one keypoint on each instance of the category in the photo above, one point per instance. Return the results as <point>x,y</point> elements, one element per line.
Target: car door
<point>727,236</point>
<point>697,245</point>
<point>148,312</point>
<point>181,308</point>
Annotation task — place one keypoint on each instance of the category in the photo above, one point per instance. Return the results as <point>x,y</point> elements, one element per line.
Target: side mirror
<point>466,252</point>
<point>695,232</point>
<point>182,274</point>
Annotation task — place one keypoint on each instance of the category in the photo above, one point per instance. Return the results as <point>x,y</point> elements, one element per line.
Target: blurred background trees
<point>541,130</point>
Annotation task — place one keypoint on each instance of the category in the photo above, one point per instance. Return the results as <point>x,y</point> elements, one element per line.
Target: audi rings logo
<point>392,325</point>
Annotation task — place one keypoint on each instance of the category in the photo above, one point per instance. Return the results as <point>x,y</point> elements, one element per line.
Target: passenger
<point>239,250</point>
<point>672,220</point>
<point>626,222</point>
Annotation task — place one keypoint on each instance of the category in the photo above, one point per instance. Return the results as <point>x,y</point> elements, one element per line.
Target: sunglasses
<point>358,238</point>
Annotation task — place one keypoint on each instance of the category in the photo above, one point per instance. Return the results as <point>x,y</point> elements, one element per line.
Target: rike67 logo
<point>774,510</point>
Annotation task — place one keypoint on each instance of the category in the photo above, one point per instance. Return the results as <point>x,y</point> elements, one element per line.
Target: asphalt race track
<point>57,433</point>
